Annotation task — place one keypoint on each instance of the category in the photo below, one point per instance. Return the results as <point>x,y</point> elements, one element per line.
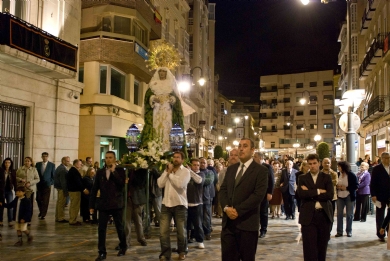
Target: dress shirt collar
<point>249,162</point>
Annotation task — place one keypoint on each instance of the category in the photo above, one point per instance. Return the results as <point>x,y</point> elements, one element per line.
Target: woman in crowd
<point>9,188</point>
<point>346,196</point>
<point>363,193</point>
<point>88,183</point>
<point>96,166</point>
<point>303,169</point>
<point>27,176</point>
<point>276,200</point>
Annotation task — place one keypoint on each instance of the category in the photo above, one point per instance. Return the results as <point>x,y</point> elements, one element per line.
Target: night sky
<point>263,37</point>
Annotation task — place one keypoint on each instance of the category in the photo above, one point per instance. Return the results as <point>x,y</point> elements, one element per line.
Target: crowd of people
<point>245,191</point>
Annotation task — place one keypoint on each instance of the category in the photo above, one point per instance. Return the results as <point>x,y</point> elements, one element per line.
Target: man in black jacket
<point>75,188</point>
<point>110,181</point>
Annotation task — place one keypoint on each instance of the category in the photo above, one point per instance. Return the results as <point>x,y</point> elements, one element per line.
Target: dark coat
<point>24,209</point>
<point>46,179</point>
<point>310,197</point>
<point>288,182</point>
<point>13,184</point>
<point>208,186</point>
<point>74,180</point>
<point>248,195</point>
<point>271,179</point>
<point>380,184</point>
<point>137,186</point>
<point>111,190</point>
<point>353,185</point>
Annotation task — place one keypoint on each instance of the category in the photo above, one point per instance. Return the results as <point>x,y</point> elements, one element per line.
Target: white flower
<point>164,161</point>
<point>134,164</point>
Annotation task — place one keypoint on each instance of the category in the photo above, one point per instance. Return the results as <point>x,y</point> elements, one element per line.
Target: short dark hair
<point>45,154</point>
<point>111,152</point>
<point>251,141</point>
<point>179,152</point>
<point>195,159</point>
<point>344,165</point>
<point>87,158</point>
<point>313,156</point>
<point>20,188</point>
<point>76,161</point>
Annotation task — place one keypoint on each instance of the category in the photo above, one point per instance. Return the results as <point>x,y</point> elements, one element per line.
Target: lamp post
<point>201,80</point>
<point>303,101</point>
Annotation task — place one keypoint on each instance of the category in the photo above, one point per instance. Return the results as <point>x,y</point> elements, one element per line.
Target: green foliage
<point>218,152</point>
<point>323,150</point>
<point>225,155</point>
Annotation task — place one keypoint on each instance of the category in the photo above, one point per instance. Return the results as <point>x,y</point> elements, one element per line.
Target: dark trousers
<point>264,215</point>
<point>380,216</point>
<point>315,237</point>
<point>194,218</point>
<point>117,214</point>
<point>207,218</point>
<point>289,204</point>
<point>8,196</point>
<point>43,198</point>
<point>334,209</point>
<point>361,207</point>
<point>238,244</point>
<point>84,207</point>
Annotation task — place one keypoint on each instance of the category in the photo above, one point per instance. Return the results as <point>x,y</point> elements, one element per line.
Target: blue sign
<point>141,51</point>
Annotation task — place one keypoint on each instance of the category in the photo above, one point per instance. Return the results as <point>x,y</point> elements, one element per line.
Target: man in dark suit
<point>111,182</point>
<point>316,214</point>
<point>46,175</point>
<point>75,185</point>
<point>259,158</point>
<point>243,189</point>
<point>380,190</point>
<point>62,189</point>
<point>287,186</point>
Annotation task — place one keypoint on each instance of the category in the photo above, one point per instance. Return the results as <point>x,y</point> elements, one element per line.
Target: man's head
<point>162,74</point>
<point>258,157</point>
<point>45,156</point>
<point>77,164</point>
<point>110,158</point>
<point>289,164</point>
<point>326,164</point>
<point>246,149</point>
<point>178,158</point>
<point>210,162</point>
<point>88,161</point>
<point>385,158</point>
<point>65,161</point>
<point>314,163</point>
<point>203,163</point>
<point>276,165</point>
<point>233,157</point>
<point>195,165</point>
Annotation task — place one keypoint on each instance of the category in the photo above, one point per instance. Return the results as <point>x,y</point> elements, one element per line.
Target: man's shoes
<point>382,239</point>
<point>201,245</point>
<point>262,234</point>
<point>39,215</point>
<point>208,237</point>
<point>63,221</point>
<point>143,242</point>
<point>19,243</point>
<point>76,224</point>
<point>101,257</point>
<point>41,218</point>
<point>338,235</point>
<point>287,218</point>
<point>121,252</point>
<point>363,220</point>
<point>293,217</point>
<point>117,247</point>
<point>190,240</point>
<point>182,256</point>
<point>349,234</point>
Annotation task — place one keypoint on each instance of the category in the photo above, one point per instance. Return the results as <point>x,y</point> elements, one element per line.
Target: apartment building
<point>39,101</point>
<point>285,121</point>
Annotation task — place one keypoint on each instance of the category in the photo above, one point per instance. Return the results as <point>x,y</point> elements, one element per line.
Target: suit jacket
<point>288,182</point>
<point>111,190</point>
<point>47,177</point>
<point>271,179</point>
<point>310,197</point>
<point>137,186</point>
<point>60,177</point>
<point>74,180</point>
<point>248,195</point>
<point>380,184</point>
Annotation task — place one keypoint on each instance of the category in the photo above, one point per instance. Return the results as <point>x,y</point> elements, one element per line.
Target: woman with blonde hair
<point>27,176</point>
<point>363,192</point>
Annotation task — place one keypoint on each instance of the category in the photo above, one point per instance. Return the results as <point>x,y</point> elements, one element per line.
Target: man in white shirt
<point>174,180</point>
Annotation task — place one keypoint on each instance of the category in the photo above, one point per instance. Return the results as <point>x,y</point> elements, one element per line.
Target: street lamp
<point>305,2</point>
<point>303,101</point>
<point>236,143</point>
<point>201,80</point>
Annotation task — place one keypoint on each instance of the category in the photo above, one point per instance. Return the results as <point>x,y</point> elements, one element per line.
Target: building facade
<point>39,102</point>
<point>285,121</point>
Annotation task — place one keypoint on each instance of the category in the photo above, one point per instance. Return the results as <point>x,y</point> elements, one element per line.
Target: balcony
<point>198,97</point>
<point>145,8</point>
<point>269,106</point>
<point>376,108</point>
<point>368,15</point>
<point>372,57</point>
<point>28,47</point>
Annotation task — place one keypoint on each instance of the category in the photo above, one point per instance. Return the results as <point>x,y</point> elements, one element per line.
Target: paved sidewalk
<point>57,242</point>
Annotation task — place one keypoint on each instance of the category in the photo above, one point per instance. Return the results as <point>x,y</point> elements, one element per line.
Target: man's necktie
<point>239,175</point>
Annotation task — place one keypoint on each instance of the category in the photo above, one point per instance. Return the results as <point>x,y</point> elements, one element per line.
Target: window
<point>112,82</point>
<point>313,84</point>
<point>286,113</point>
<point>286,99</point>
<point>328,111</point>
<point>106,24</point>
<point>81,74</point>
<point>139,33</point>
<point>16,8</point>
<point>137,94</point>
<point>328,126</point>
<point>300,126</point>
<point>313,112</point>
<point>299,85</point>
<point>328,83</point>
<point>328,97</point>
<point>297,99</point>
<point>286,86</point>
<point>272,144</point>
<point>313,126</point>
<point>285,127</point>
<point>222,107</point>
<point>222,120</point>
<point>122,25</point>
<point>299,113</point>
